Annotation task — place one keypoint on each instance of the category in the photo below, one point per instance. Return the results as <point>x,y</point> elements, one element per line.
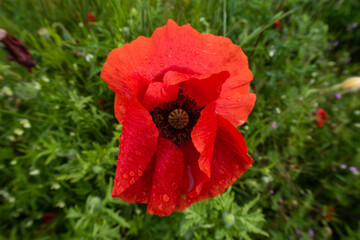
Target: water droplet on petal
<point>191,179</point>
<point>174,186</point>
<point>166,198</point>
<point>228,98</point>
<point>164,93</point>
<point>239,100</point>
<point>132,181</point>
<point>138,153</point>
<point>122,138</point>
<point>235,166</point>
<point>132,173</point>
<point>140,172</point>
<point>125,175</point>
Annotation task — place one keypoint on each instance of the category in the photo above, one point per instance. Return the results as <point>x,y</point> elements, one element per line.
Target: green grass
<point>65,162</point>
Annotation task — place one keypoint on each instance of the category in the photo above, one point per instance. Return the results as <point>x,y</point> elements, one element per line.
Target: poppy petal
<point>235,105</point>
<point>203,88</point>
<point>119,108</point>
<point>140,191</point>
<point>193,177</point>
<point>137,146</point>
<point>230,159</point>
<point>203,136</point>
<point>158,95</point>
<point>167,178</point>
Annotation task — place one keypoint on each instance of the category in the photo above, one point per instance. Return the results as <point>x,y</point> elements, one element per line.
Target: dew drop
<point>132,173</point>
<point>122,138</point>
<point>239,100</point>
<point>235,166</point>
<point>140,172</point>
<point>228,98</point>
<point>164,93</point>
<point>174,186</point>
<point>166,198</point>
<point>132,181</point>
<point>125,175</point>
<point>191,179</point>
<point>138,153</point>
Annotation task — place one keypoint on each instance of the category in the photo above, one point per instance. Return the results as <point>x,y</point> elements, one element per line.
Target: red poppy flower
<point>179,96</point>
<point>91,17</point>
<point>17,50</point>
<point>277,24</point>
<point>321,117</point>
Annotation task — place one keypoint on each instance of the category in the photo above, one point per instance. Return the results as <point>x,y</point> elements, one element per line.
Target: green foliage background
<point>64,163</point>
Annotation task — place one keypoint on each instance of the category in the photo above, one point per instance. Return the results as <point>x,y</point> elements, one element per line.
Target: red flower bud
<point>321,117</point>
<point>277,24</point>
<point>91,17</point>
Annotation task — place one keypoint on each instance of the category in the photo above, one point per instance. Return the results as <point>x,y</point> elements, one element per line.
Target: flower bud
<point>351,84</point>
<point>229,219</point>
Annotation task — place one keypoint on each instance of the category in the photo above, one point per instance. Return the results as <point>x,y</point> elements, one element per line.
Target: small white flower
<point>72,134</point>
<point>55,186</point>
<point>89,57</point>
<point>25,123</point>
<point>45,79</point>
<point>18,131</point>
<point>7,91</point>
<point>246,127</point>
<point>37,85</point>
<point>81,24</point>
<point>11,138</point>
<point>29,223</point>
<point>277,110</point>
<point>60,204</point>
<point>272,52</point>
<point>34,172</point>
<point>13,162</point>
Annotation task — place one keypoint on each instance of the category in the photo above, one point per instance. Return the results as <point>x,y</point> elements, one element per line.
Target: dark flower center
<point>177,120</point>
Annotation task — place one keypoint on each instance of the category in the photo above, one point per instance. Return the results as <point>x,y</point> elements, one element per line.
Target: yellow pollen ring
<point>178,118</point>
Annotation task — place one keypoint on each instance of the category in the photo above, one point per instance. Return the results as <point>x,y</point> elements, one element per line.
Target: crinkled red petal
<point>202,88</point>
<point>158,95</point>
<point>140,191</point>
<point>235,105</point>
<point>167,178</point>
<point>193,177</point>
<point>229,161</point>
<point>137,146</point>
<point>203,136</point>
